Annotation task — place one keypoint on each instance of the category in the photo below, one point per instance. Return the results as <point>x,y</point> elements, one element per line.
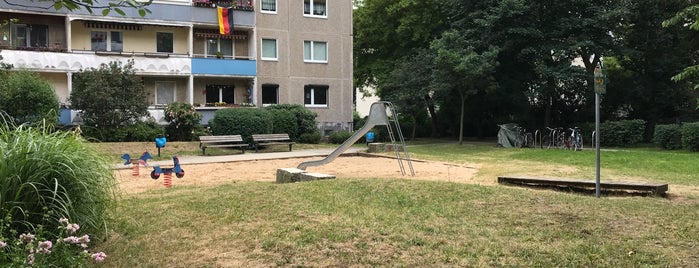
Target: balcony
<point>209,66</point>
<point>243,5</point>
<point>144,63</point>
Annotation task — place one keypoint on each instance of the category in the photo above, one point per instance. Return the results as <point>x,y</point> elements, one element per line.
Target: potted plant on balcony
<point>219,54</point>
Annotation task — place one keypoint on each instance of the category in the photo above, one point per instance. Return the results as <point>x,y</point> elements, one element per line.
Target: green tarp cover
<point>507,135</point>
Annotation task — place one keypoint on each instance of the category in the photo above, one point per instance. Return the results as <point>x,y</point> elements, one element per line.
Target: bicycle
<point>576,139</point>
<point>524,139</point>
<point>549,138</point>
<point>559,138</point>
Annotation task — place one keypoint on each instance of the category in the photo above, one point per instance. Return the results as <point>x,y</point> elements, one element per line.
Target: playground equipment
<point>160,143</point>
<point>143,160</point>
<point>167,172</point>
<point>378,116</point>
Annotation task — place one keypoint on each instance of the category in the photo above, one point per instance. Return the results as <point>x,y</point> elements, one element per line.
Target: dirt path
<point>265,170</point>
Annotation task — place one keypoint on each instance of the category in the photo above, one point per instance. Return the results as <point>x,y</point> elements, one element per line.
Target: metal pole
<point>597,182</point>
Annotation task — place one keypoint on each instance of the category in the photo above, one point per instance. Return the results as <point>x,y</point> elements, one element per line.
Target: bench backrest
<point>271,137</point>
<point>222,138</point>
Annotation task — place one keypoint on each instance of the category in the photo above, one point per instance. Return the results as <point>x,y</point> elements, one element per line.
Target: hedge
<point>668,136</point>
<point>244,122</point>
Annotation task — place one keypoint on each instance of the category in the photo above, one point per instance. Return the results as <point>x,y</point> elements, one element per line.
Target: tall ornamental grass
<point>46,176</point>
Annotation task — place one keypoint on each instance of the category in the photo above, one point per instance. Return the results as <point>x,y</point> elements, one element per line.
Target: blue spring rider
<point>177,169</point>
<point>143,160</point>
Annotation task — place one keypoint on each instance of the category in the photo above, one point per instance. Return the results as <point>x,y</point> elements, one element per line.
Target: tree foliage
<point>546,54</point>
<point>27,98</point>
<point>106,6</point>
<point>109,97</point>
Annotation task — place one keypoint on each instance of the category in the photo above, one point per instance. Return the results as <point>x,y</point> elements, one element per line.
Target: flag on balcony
<point>225,20</point>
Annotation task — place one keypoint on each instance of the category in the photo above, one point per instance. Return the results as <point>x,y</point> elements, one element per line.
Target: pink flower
<point>71,240</point>
<point>3,244</point>
<point>99,256</point>
<point>27,237</point>
<point>45,246</point>
<point>72,227</point>
<point>63,221</point>
<point>84,239</point>
<point>30,259</point>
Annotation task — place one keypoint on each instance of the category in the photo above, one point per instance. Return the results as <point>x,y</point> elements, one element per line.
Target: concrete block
<point>288,175</point>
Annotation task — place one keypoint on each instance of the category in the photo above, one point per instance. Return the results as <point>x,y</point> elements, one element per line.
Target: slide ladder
<point>377,117</point>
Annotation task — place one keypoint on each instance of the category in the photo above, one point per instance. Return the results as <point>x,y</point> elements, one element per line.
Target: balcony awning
<point>238,35</point>
<point>113,25</point>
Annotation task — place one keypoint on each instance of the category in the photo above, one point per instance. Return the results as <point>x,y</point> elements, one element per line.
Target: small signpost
<point>600,88</point>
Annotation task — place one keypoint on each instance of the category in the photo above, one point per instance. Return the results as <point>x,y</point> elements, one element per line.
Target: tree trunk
<point>412,135</point>
<point>461,120</point>
<point>547,112</point>
<point>433,116</point>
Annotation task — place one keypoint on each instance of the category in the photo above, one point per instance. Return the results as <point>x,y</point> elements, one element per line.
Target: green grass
<point>367,222</point>
<point>377,222</point>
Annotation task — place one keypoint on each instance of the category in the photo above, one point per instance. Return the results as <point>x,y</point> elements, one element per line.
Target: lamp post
<point>600,88</point>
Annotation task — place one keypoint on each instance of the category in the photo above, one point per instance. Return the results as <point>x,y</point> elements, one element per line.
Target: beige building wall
<point>59,83</point>
<point>291,28</point>
<point>134,40</point>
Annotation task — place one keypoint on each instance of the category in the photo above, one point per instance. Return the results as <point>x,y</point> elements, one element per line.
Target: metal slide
<point>377,117</point>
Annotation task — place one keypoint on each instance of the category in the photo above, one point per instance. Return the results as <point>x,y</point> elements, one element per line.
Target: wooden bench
<point>222,141</point>
<point>271,139</point>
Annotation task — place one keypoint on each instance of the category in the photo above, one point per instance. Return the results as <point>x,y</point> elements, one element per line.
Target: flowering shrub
<point>27,249</point>
<point>183,118</point>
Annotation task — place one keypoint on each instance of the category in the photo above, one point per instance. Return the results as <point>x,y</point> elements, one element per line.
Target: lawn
<point>359,222</point>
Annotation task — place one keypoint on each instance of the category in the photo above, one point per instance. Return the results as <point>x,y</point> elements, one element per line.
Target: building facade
<point>278,52</point>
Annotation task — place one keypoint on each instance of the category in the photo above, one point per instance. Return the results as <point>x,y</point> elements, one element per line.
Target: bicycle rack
<point>593,140</point>
<point>537,135</point>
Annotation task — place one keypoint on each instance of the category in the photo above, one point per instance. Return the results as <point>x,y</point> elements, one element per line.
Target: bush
<point>27,98</point>
<point>283,121</point>
<point>183,118</point>
<point>109,97</point>
<point>51,175</point>
<point>668,136</point>
<point>305,118</point>
<point>338,137</point>
<point>139,131</point>
<point>622,133</point>
<point>244,122</point>
<point>310,138</point>
<point>690,136</point>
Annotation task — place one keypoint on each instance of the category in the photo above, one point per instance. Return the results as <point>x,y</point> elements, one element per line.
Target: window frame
<point>108,40</point>
<point>172,42</point>
<point>312,51</point>
<point>174,91</point>
<point>219,45</point>
<point>311,90</point>
<point>312,7</point>
<point>262,10</point>
<point>276,49</point>
<point>266,87</point>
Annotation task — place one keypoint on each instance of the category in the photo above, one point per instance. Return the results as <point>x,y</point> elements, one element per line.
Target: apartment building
<point>277,52</point>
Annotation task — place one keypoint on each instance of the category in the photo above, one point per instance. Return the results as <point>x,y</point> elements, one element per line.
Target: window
<point>30,35</point>
<point>219,93</point>
<point>270,94</point>
<point>269,49</point>
<point>314,51</point>
<point>315,8</point>
<point>215,46</point>
<point>107,41</point>
<point>315,96</point>
<point>164,92</point>
<point>269,6</point>
<point>164,42</point>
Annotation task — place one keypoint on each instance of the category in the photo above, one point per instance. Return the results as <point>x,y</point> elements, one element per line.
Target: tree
<point>687,18</point>
<point>89,5</point>
<point>109,97</point>
<point>27,98</point>
<point>408,86</point>
<point>463,69</point>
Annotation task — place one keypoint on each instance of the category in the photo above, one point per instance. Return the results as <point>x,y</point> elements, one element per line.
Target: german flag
<point>225,20</point>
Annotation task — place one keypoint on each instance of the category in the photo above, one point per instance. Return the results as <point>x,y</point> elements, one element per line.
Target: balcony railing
<point>245,5</point>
